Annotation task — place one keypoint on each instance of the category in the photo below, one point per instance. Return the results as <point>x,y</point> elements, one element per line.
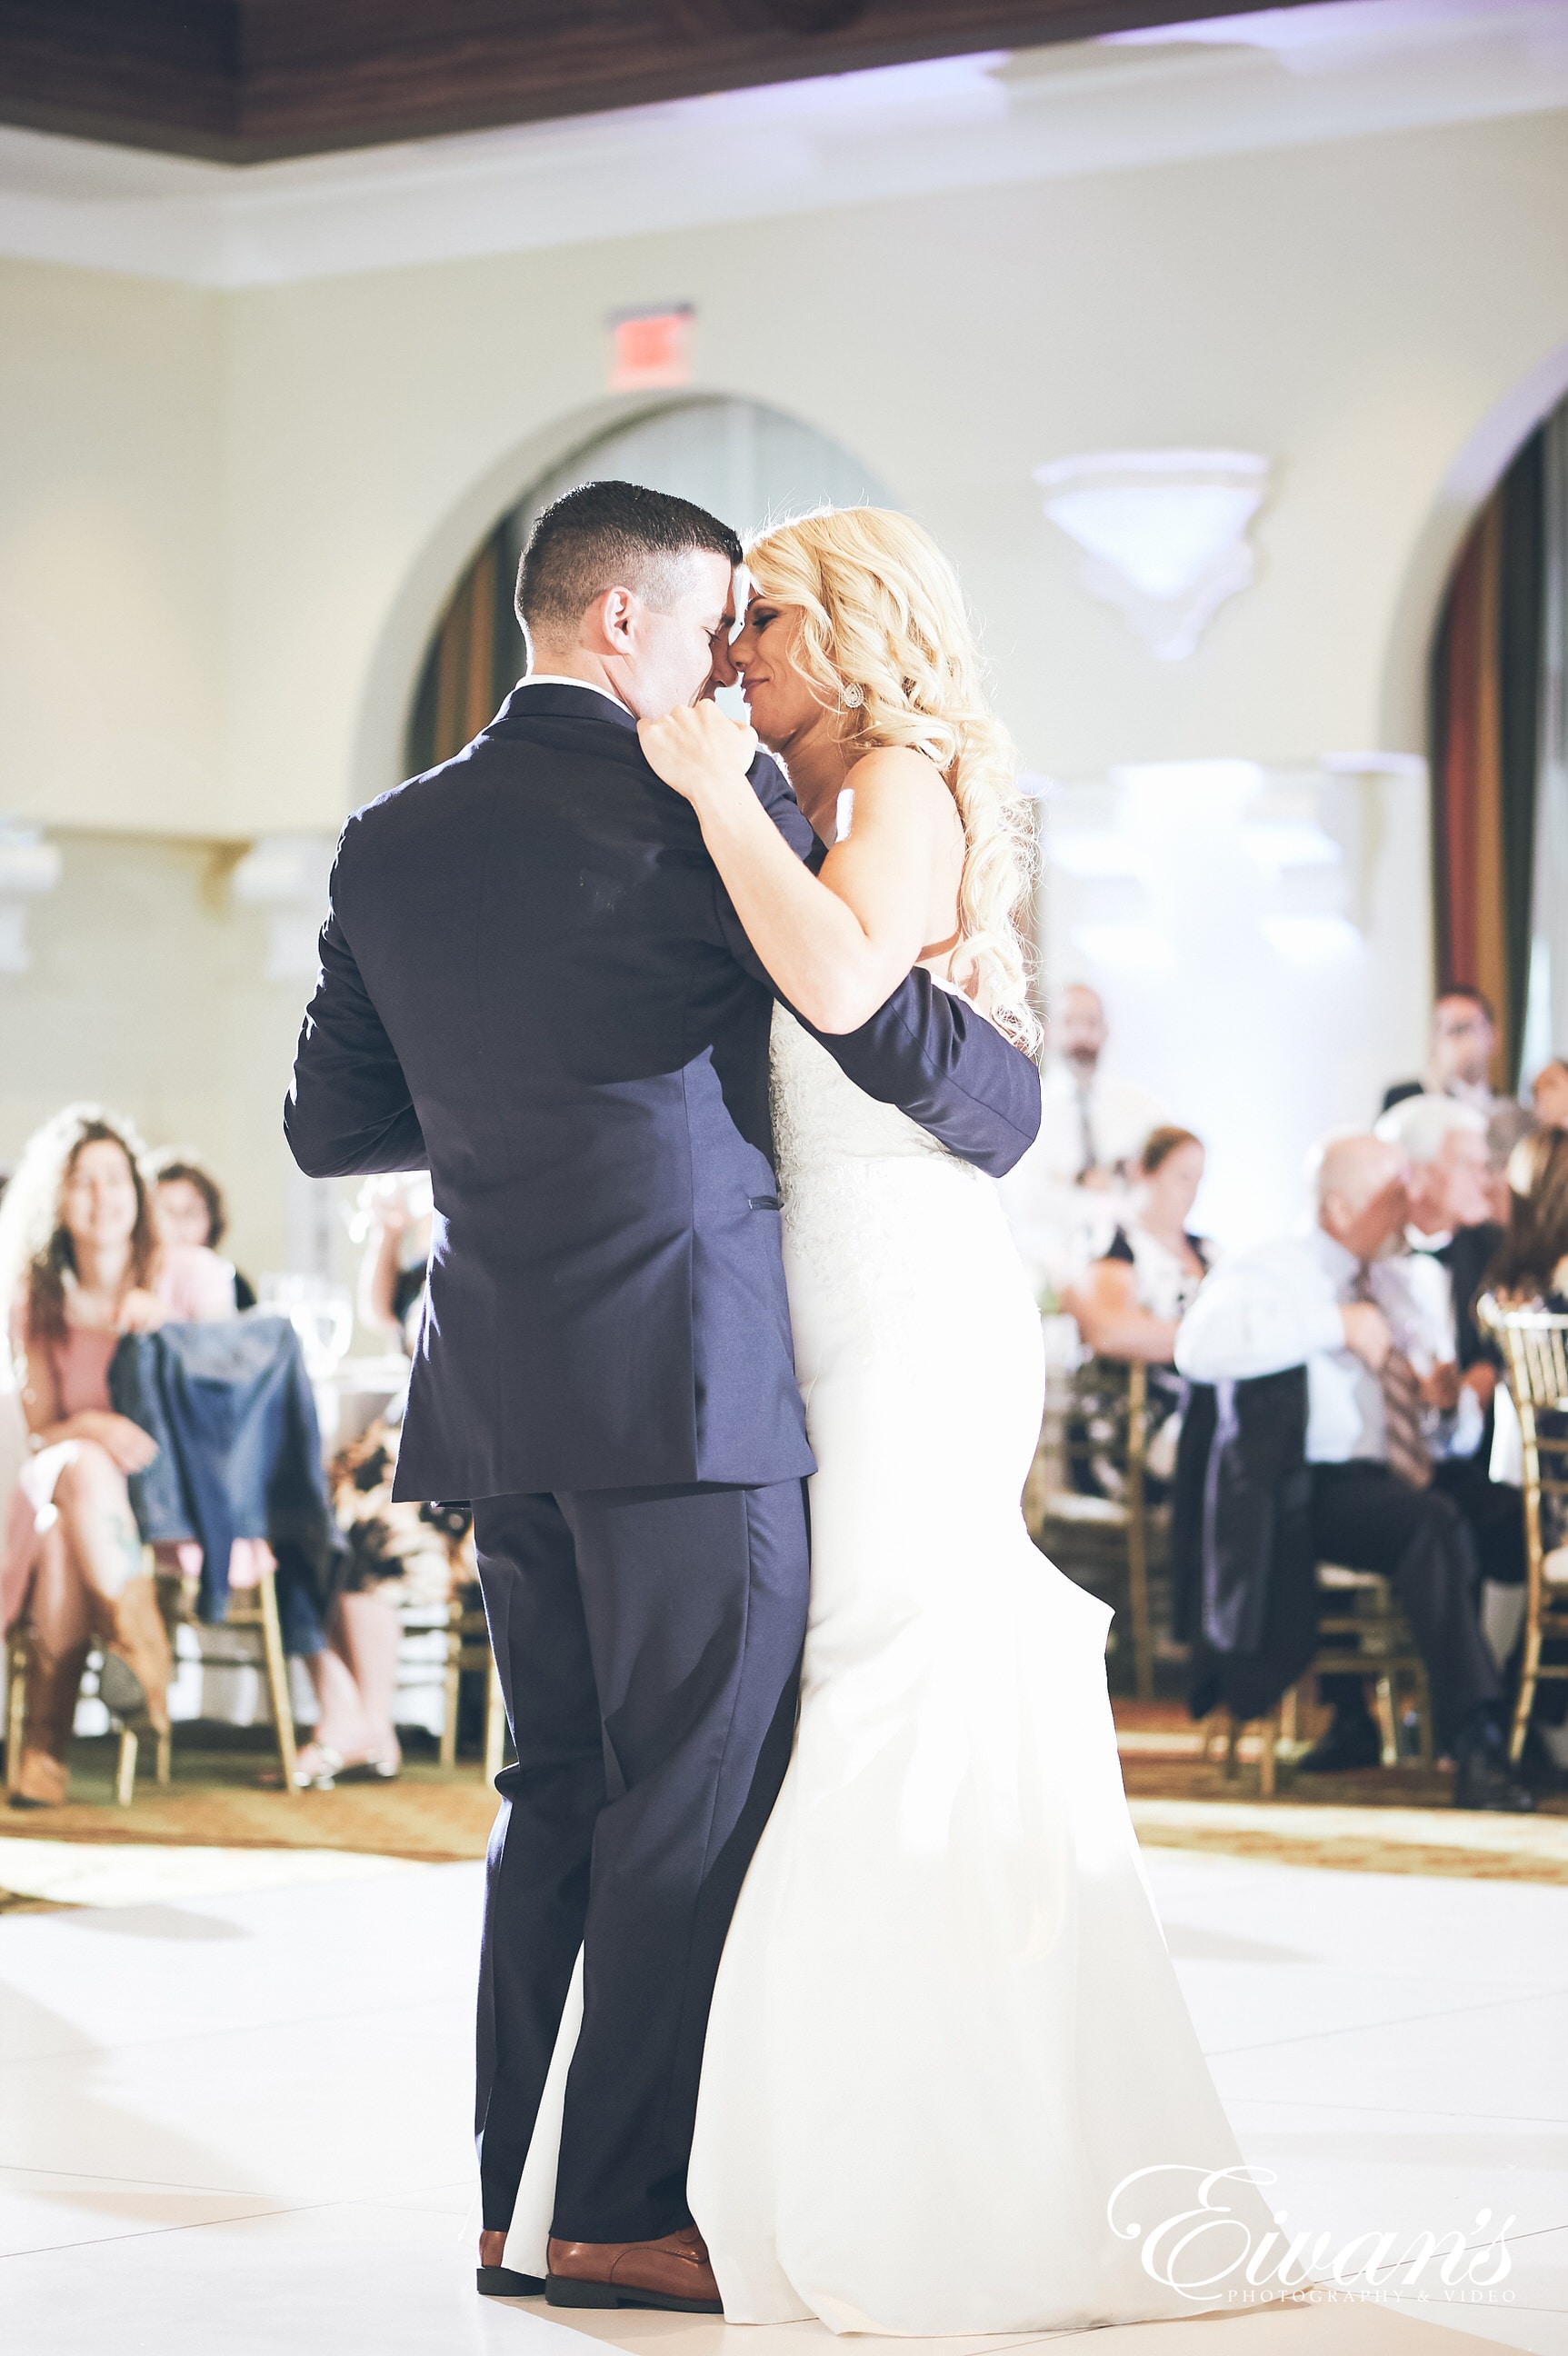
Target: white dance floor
<point>234,2107</point>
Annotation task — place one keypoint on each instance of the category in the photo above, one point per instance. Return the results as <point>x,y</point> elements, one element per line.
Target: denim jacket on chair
<point>231,1409</point>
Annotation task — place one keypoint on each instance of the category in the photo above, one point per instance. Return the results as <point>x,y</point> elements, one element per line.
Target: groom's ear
<point>608,625</point>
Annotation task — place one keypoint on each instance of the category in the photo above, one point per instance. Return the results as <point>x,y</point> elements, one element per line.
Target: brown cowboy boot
<point>53,1681</point>
<point>133,1631</point>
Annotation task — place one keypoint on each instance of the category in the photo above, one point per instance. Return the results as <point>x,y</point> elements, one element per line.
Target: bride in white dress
<point>946,2027</point>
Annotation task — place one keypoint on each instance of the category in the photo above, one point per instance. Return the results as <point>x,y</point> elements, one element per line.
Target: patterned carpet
<point>1382,1821</point>
<point>217,1799</point>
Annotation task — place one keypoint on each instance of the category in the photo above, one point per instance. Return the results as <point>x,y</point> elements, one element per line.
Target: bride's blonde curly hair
<point>884,640</point>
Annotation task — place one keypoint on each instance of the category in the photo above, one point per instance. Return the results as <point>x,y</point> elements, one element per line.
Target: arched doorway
<point>739,459</point>
<point>1499,705</point>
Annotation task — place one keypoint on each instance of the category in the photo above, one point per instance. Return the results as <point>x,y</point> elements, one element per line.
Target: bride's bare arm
<point>838,945</point>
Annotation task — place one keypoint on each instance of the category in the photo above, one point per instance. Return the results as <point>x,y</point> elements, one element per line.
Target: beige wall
<point>146,993</point>
<point>112,549</point>
<point>1354,311</point>
<point>225,521</point>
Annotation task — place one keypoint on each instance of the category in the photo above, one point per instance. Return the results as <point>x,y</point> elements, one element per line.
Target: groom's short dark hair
<point>607,536</point>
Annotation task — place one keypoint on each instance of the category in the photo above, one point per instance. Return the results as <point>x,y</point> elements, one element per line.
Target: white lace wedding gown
<point>946,2025</point>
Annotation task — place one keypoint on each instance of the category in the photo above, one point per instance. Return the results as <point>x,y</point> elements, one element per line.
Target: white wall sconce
<point>28,865</point>
<point>1164,534</point>
<point>287,875</point>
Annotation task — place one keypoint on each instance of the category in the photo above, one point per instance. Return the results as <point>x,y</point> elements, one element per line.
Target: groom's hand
<point>698,751</point>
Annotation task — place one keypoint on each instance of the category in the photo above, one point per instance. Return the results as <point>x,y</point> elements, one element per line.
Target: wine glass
<point>321,1312</point>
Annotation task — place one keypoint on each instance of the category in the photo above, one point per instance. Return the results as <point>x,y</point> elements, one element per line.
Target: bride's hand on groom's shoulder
<point>697,750</point>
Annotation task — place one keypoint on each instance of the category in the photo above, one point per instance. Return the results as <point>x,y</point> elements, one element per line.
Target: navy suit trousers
<point>649,1643</point>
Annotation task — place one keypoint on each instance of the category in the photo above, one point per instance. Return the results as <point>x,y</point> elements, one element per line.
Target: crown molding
<point>990,119</point>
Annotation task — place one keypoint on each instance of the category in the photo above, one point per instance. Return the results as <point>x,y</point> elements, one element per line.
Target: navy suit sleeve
<point>926,1051</point>
<point>930,1053</point>
<point>349,1112</point>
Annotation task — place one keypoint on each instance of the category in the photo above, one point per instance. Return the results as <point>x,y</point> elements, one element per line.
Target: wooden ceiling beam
<point>247,81</point>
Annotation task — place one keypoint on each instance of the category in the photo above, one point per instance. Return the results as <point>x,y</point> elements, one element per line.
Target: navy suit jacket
<point>533,985</point>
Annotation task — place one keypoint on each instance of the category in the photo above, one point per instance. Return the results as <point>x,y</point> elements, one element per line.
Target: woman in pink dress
<point>82,1265</point>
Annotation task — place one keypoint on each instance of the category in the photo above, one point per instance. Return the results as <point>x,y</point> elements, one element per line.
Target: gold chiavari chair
<point>1535,1351</point>
<point>469,1649</point>
<point>1095,1538</point>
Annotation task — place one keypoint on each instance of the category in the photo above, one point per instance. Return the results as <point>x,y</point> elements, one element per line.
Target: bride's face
<point>780,697</point>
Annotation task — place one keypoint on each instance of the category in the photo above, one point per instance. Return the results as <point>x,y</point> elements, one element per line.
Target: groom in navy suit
<point>533,985</point>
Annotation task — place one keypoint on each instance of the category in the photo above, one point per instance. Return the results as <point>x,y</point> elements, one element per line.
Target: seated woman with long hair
<point>1549,1094</point>
<point>1532,1266</point>
<point>82,1264</point>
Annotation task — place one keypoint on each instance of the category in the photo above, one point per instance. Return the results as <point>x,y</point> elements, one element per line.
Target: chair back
<point>1535,1345</point>
<point>1535,1351</point>
<point>1105,1430</point>
<point>1089,1512</point>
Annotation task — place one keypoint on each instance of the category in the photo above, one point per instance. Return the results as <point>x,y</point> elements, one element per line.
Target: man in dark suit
<point>533,984</point>
<point>1464,1041</point>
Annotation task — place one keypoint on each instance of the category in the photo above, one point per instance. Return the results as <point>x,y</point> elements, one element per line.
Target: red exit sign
<point>651,348</point>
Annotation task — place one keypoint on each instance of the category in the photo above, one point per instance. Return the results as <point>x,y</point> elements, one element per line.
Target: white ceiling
<point>1279,78</point>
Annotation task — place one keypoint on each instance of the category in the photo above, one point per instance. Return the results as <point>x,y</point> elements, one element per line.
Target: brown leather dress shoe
<point>496,2279</point>
<point>674,2273</point>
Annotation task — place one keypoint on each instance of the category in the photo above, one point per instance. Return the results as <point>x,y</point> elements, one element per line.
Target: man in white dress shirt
<point>1446,1146</point>
<point>1062,1199</point>
<point>1372,1325</point>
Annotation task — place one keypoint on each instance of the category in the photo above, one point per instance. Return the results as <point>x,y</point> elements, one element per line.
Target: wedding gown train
<point>946,2026</point>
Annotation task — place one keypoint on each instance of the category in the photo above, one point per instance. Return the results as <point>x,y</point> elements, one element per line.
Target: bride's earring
<point>850,695</point>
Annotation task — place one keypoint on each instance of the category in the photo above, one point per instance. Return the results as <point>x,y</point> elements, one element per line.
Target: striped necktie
<point>1404,1441</point>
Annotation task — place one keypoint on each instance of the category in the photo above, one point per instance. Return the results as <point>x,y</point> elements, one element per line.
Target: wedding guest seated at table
<point>1345,1303</point>
<point>81,1263</point>
<point>397,1554</point>
<point>397,1213</point>
<point>1129,1303</point>
<point>354,1672</point>
<point>1447,1150</point>
<point>192,1209</point>
<point>402,1556</point>
<point>400,1552</point>
<point>1530,1270</point>
<point>1549,1094</point>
